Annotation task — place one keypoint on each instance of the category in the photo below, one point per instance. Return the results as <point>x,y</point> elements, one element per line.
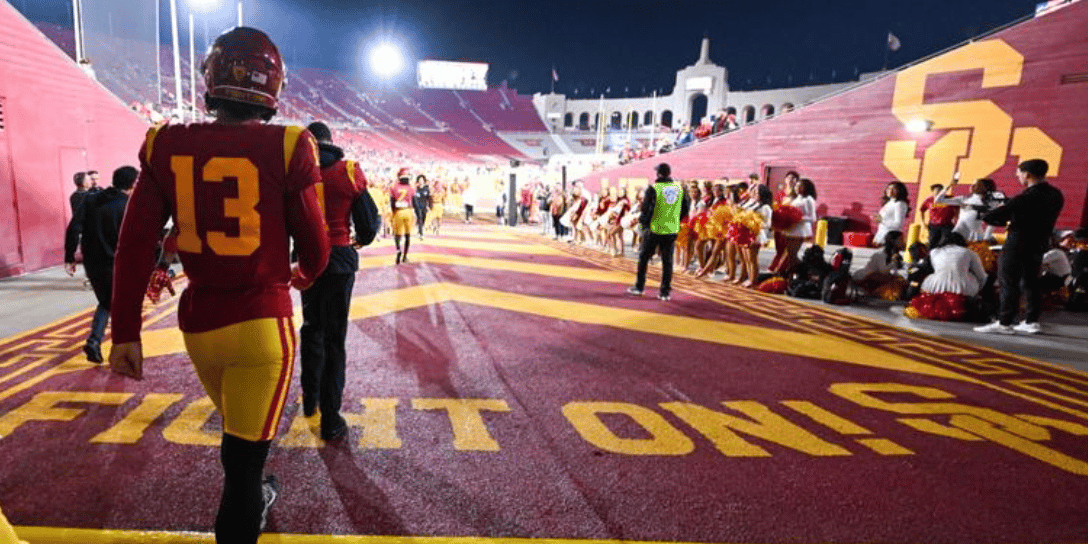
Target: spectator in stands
<point>893,213</point>
<point>703,130</point>
<point>940,217</point>
<point>1030,217</point>
<point>685,137</point>
<point>664,205</point>
<point>421,202</point>
<point>94,228</point>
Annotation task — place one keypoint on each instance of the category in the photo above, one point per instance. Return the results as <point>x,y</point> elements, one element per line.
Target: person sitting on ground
<point>956,269</point>
<point>880,276</point>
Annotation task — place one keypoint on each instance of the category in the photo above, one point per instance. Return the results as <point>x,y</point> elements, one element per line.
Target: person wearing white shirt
<point>893,214</point>
<point>796,235</point>
<point>970,224</point>
<point>956,269</point>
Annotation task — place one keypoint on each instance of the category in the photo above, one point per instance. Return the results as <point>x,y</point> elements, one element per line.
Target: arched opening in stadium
<point>666,118</point>
<point>748,114</point>
<point>648,118</point>
<point>632,119</point>
<point>788,106</point>
<point>698,108</point>
<point>583,121</point>
<point>766,112</point>
<point>730,110</point>
<point>568,120</point>
<point>616,122</point>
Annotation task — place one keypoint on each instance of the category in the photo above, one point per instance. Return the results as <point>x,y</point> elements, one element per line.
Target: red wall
<point>840,142</point>
<point>56,121</point>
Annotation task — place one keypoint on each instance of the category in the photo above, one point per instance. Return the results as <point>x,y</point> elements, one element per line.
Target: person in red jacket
<point>238,190</point>
<point>325,305</point>
<point>401,195</point>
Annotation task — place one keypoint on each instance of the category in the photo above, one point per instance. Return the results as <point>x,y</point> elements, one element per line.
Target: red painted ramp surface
<point>508,390</point>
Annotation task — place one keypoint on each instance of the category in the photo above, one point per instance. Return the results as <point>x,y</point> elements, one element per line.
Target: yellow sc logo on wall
<point>980,134</point>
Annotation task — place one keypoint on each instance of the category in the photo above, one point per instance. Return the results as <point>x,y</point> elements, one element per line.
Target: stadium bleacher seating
<point>427,124</point>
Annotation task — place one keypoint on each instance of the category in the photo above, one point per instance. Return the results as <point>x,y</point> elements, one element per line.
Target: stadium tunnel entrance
<point>698,108</point>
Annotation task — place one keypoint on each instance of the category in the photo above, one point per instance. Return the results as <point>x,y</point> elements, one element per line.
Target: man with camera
<point>1030,217</point>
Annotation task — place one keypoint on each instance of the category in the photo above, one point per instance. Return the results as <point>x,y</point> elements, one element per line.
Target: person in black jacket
<point>94,228</point>
<point>326,303</point>
<point>1030,216</point>
<point>421,202</point>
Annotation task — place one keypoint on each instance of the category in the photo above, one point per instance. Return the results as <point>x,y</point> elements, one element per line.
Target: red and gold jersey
<point>401,195</point>
<point>236,194</point>
<point>340,184</point>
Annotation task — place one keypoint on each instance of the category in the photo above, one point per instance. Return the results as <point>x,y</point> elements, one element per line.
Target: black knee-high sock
<point>407,242</point>
<point>396,240</point>
<point>239,517</point>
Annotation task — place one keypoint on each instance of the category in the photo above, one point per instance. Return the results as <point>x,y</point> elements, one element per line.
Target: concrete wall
<point>56,121</point>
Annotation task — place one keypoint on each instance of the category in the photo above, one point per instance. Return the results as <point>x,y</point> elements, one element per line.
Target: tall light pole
<point>192,70</point>
<point>239,13</point>
<point>177,58</point>
<point>158,54</point>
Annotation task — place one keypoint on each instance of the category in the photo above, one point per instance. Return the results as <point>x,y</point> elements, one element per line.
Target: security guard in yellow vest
<point>664,205</point>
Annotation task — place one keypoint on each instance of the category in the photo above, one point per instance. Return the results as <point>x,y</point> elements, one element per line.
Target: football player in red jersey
<point>238,190</point>
<point>344,197</point>
<point>400,197</point>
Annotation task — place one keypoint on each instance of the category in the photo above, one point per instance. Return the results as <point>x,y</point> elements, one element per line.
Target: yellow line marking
<point>57,535</point>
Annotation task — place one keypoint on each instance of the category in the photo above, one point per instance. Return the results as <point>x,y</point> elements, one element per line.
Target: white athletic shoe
<point>270,489</point>
<point>634,291</point>
<point>1027,328</point>
<point>995,328</point>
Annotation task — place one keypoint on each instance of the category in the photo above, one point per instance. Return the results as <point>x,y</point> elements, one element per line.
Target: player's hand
<point>298,281</point>
<point>128,360</point>
<point>70,268</point>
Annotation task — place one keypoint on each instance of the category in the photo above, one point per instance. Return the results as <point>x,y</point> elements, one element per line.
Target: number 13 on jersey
<point>243,208</point>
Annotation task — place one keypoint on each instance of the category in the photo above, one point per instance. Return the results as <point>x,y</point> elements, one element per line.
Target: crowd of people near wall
<point>979,251</point>
<point>666,139</point>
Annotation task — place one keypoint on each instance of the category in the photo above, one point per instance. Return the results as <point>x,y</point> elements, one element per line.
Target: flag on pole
<point>893,42</point>
<point>555,74</point>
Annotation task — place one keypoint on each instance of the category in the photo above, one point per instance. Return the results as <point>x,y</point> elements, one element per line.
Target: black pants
<point>560,230</point>
<point>652,243</point>
<point>468,212</point>
<point>1018,271</point>
<point>325,308</point>
<point>421,217</point>
<point>938,233</point>
<point>102,284</point>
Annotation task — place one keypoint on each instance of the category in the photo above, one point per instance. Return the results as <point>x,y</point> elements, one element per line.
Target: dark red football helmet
<point>244,66</point>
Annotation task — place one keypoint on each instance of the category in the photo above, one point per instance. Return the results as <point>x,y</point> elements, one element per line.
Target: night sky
<point>625,48</point>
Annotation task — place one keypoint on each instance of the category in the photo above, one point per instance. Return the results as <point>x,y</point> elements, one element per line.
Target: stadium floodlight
<point>919,126</point>
<point>205,6</point>
<point>386,60</point>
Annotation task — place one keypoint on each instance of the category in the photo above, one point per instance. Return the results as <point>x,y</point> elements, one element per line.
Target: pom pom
<point>785,216</point>
<point>774,286</point>
<point>986,255</point>
<point>938,307</point>
<point>160,279</point>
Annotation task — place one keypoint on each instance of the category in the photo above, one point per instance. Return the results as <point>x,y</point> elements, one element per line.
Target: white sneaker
<point>995,328</point>
<point>1028,328</point>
